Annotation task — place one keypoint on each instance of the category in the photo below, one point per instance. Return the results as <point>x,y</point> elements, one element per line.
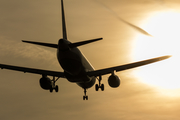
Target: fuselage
<point>74,64</point>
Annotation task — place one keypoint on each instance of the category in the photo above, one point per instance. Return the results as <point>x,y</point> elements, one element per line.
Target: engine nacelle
<point>45,83</point>
<point>114,81</point>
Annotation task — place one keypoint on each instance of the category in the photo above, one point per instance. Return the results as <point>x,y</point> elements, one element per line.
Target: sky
<point>149,92</point>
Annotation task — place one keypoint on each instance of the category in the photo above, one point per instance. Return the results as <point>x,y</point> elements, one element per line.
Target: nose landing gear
<point>85,97</point>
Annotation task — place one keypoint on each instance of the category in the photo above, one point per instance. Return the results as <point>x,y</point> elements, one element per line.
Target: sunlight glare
<point>165,29</point>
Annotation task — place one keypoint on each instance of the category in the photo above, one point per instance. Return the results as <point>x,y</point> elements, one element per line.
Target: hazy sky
<point>21,95</point>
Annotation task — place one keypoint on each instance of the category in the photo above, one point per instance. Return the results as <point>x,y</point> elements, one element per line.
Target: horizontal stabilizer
<point>72,45</point>
<point>42,44</point>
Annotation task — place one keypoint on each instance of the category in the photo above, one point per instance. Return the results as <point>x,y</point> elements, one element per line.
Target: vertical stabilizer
<point>63,21</point>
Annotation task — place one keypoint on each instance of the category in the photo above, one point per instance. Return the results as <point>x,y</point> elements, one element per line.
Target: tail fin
<point>71,45</point>
<point>63,21</point>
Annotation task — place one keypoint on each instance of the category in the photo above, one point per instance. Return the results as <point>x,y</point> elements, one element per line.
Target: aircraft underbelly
<point>88,84</point>
<point>70,62</point>
<point>75,67</point>
<point>71,66</point>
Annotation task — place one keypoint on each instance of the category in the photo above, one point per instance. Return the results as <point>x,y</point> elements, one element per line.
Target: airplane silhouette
<point>76,67</point>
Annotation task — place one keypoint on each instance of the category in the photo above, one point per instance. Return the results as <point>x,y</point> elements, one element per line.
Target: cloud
<point>22,50</point>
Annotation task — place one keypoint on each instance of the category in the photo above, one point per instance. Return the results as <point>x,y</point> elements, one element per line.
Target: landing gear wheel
<point>56,88</point>
<point>102,87</point>
<point>97,87</point>
<point>51,90</point>
<point>85,97</point>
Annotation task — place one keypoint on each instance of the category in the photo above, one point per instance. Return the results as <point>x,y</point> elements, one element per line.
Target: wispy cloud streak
<point>122,20</point>
<point>19,49</point>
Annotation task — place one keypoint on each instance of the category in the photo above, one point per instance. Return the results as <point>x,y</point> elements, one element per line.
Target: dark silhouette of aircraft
<point>76,67</point>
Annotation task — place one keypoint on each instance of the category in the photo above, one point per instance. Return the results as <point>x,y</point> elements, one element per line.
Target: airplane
<point>77,69</point>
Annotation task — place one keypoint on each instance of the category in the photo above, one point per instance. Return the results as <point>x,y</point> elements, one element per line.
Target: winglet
<point>63,21</point>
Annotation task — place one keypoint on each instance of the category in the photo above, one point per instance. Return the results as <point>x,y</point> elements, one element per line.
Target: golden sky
<point>139,96</point>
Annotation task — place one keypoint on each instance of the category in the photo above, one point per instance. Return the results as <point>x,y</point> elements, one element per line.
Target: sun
<point>164,26</point>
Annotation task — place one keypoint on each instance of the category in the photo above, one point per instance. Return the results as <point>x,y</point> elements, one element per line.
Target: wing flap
<point>126,66</point>
<point>32,70</point>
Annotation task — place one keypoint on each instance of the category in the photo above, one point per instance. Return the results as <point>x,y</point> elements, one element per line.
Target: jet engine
<point>114,81</point>
<point>45,83</point>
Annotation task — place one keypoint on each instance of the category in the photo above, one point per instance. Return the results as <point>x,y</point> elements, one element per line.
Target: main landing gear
<point>97,86</point>
<point>53,86</point>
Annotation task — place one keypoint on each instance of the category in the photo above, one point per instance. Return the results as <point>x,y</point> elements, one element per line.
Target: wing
<point>33,70</point>
<point>125,67</point>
